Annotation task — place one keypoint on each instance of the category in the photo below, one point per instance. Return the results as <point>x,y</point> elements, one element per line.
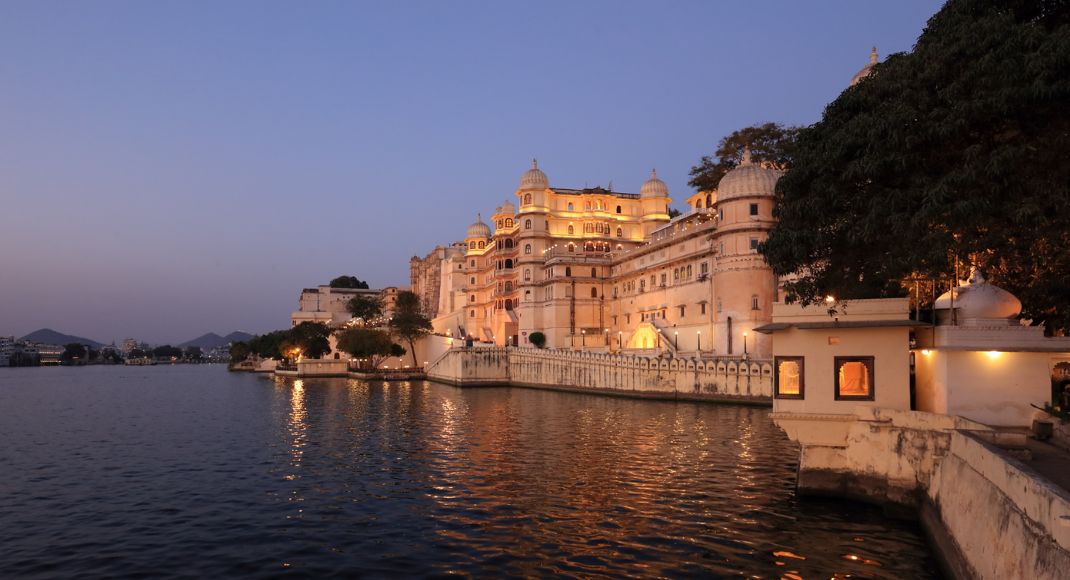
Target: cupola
<point>534,178</point>
<point>978,303</point>
<point>654,187</point>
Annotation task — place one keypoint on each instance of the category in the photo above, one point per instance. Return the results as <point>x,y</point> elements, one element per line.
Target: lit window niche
<point>854,378</point>
<point>788,380</point>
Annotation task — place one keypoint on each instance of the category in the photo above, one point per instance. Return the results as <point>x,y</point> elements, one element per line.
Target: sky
<point>169,169</point>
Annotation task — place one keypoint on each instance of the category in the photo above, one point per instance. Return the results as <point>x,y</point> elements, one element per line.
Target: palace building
<point>600,269</point>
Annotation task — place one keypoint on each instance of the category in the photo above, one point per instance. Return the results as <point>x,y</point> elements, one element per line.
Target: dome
<point>478,229</point>
<point>866,69</point>
<point>534,178</point>
<point>747,179</point>
<point>654,187</point>
<point>977,299</point>
<point>507,208</point>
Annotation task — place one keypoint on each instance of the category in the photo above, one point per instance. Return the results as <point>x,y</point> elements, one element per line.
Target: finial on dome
<point>653,173</point>
<point>479,217</point>
<point>976,277</point>
<point>746,156</point>
<point>873,56</point>
<point>535,162</point>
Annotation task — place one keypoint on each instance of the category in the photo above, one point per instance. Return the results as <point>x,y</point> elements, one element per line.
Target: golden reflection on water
<point>298,428</point>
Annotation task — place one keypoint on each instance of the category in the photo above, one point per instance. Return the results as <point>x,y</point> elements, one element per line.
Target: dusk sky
<point>173,168</point>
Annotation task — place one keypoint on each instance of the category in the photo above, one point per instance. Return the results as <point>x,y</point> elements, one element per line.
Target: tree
<point>349,282</point>
<point>769,142</point>
<point>167,351</point>
<point>74,352</point>
<point>269,345</point>
<point>312,338</point>
<point>193,353</point>
<point>952,154</point>
<point>408,322</point>
<point>366,343</point>
<point>239,351</point>
<point>366,308</point>
<point>538,339</point>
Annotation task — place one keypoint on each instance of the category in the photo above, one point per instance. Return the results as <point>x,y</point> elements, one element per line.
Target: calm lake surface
<point>191,471</point>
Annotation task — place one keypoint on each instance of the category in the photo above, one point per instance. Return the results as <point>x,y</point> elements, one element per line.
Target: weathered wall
<point>995,388</point>
<point>616,374</point>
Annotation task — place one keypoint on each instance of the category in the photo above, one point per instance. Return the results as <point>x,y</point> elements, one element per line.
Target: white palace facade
<point>604,270</point>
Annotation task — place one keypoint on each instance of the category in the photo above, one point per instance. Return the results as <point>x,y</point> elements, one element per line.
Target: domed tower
<point>866,69</point>
<point>654,199</point>
<point>744,286</point>
<point>478,235</point>
<point>532,190</point>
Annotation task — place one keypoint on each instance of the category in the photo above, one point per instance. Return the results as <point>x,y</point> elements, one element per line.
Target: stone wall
<point>675,378</point>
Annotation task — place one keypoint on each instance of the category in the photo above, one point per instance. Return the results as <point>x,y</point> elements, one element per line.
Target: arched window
<point>527,199</point>
<point>472,313</point>
<point>472,298</point>
<point>508,222</point>
<point>587,206</point>
<point>594,272</point>
<point>527,248</point>
<point>588,247</point>
<point>709,200</point>
<point>472,245</point>
<point>499,224</point>
<point>620,233</point>
<point>698,204</point>
<point>473,281</point>
<point>618,209</point>
<point>508,264</point>
<point>594,292</point>
<point>571,230</point>
<point>570,206</point>
<point>509,243</point>
<point>527,224</point>
<point>527,274</point>
<point>481,245</point>
<point>508,286</point>
<point>754,302</point>
<point>572,247</point>
<point>568,270</point>
<point>598,228</point>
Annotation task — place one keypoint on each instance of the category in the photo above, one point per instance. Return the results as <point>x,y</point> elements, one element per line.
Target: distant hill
<point>213,340</point>
<point>49,336</point>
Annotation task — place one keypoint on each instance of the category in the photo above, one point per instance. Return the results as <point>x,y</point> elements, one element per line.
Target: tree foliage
<point>768,142</point>
<point>167,351</point>
<point>73,352</point>
<point>366,308</point>
<point>349,282</point>
<point>268,345</point>
<point>312,338</point>
<point>239,351</point>
<point>954,153</point>
<point>538,339</point>
<point>408,323</point>
<point>370,344</point>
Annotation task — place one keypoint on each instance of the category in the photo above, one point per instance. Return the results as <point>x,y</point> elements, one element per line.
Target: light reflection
<point>298,428</point>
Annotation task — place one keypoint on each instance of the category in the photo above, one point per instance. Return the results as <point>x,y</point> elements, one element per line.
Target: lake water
<point>191,471</point>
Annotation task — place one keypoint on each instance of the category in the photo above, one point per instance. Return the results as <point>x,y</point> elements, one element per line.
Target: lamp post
<point>744,345</point>
<point>620,340</point>
<point>698,336</point>
<point>676,340</point>
<point>583,337</point>
<point>607,339</point>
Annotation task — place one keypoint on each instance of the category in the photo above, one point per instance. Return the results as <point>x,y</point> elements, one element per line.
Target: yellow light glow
<point>926,351</point>
<point>830,299</point>
<point>993,354</point>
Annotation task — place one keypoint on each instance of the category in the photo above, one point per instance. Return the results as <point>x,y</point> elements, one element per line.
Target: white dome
<point>534,178</point>
<point>478,229</point>
<point>748,179</point>
<point>654,187</point>
<point>507,208</point>
<point>977,299</point>
<point>866,69</point>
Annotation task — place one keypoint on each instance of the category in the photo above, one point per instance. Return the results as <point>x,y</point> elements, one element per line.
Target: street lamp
<point>607,339</point>
<point>698,335</point>
<point>583,337</point>
<point>620,340</point>
<point>744,345</point>
<point>676,340</point>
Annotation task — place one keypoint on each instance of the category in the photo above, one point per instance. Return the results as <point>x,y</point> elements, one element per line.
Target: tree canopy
<point>366,308</point>
<point>768,142</point>
<point>369,344</point>
<point>311,338</point>
<point>349,282</point>
<point>954,153</point>
<point>408,323</point>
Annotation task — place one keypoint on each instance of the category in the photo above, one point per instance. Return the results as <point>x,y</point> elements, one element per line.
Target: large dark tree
<point>239,351</point>
<point>74,352</point>
<point>366,308</point>
<point>952,154</point>
<point>269,345</point>
<point>408,323</point>
<point>368,344</point>
<point>311,338</point>
<point>348,282</point>
<point>769,142</point>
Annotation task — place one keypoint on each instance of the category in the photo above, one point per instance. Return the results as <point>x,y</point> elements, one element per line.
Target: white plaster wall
<point>994,389</point>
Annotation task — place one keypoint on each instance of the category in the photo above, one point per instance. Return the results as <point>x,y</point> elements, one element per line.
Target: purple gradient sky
<point>169,169</point>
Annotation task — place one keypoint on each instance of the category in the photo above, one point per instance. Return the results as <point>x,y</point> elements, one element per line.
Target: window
<point>508,222</point>
<point>702,308</point>
<point>472,245</point>
<point>720,214</point>
<point>527,248</point>
<point>722,249</point>
<point>472,298</point>
<point>663,277</point>
<point>481,245</point>
<point>473,280</point>
<point>682,311</point>
<point>754,302</point>
<point>754,209</point>
<point>509,243</point>
<point>594,272</point>
<point>571,230</point>
<point>587,206</point>
<point>472,314</point>
<point>527,274</point>
<point>473,263</point>
<point>499,224</point>
<point>568,270</point>
<point>754,244</point>
<point>527,201</point>
<point>508,264</point>
<point>854,378</point>
<point>788,377</point>
<point>527,224</point>
<point>704,267</point>
<point>618,209</point>
<point>569,207</point>
<point>594,292</point>
<point>620,233</point>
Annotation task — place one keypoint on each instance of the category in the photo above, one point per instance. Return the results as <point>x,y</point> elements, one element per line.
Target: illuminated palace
<point>600,269</point>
